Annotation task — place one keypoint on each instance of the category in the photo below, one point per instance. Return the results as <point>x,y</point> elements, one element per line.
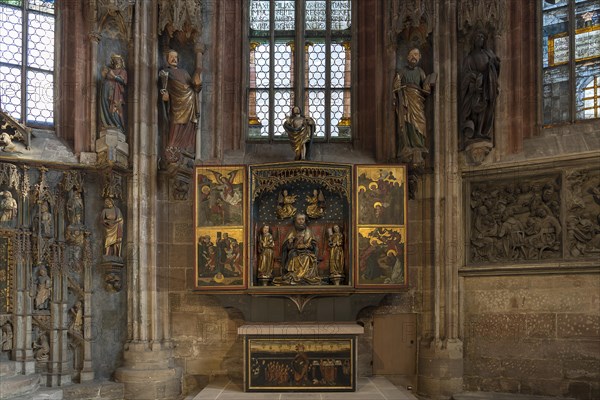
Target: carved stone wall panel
<point>514,220</point>
<point>583,213</point>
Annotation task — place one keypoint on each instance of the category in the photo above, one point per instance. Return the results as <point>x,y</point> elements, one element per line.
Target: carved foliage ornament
<point>473,14</point>
<point>120,11</point>
<point>180,15</point>
<point>411,14</point>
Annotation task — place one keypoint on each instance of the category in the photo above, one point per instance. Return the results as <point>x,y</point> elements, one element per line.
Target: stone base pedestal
<point>440,372</point>
<point>148,372</point>
<point>112,147</point>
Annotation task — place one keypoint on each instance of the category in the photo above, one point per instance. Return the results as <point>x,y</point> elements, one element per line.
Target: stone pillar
<point>23,353</point>
<point>147,370</point>
<point>440,371</point>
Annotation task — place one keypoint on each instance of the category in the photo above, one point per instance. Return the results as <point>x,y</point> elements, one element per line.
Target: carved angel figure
<point>316,204</point>
<point>285,208</point>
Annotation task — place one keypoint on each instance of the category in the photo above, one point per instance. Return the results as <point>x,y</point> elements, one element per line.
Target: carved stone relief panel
<point>515,220</point>
<point>583,213</point>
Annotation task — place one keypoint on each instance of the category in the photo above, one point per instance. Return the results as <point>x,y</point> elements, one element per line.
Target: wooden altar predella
<point>353,236</point>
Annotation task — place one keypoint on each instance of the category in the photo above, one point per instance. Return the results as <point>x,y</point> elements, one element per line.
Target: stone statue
<point>179,95</point>
<point>299,255</point>
<point>285,208</point>
<point>8,209</point>
<point>479,91</point>
<point>316,204</point>
<point>6,343</point>
<point>336,251</point>
<point>112,101</point>
<point>112,220</point>
<point>266,245</point>
<point>44,221</point>
<point>300,131</point>
<point>43,289</point>
<point>74,208</point>
<point>41,349</point>
<point>411,88</point>
<point>77,313</point>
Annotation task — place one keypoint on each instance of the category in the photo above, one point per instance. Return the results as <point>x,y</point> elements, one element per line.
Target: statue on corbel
<point>113,229</point>
<point>479,89</point>
<point>111,146</point>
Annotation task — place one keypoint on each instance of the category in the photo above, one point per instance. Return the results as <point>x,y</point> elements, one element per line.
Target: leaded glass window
<point>27,60</point>
<point>570,60</point>
<point>315,76</point>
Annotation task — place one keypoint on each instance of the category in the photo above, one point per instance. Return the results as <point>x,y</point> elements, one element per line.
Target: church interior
<point>298,195</point>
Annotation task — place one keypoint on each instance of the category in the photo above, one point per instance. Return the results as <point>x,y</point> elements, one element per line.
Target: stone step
<point>7,368</point>
<point>18,385</point>
<point>502,396</point>
<point>95,390</point>
<point>42,394</point>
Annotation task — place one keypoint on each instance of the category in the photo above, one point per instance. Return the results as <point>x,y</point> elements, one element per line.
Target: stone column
<point>147,370</point>
<point>440,355</point>
<point>23,305</point>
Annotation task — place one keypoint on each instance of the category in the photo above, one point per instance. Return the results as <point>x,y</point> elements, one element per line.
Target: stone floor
<point>372,388</point>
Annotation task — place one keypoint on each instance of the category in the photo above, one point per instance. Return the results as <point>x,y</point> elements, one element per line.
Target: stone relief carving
<point>583,213</point>
<point>41,348</point>
<point>6,337</point>
<point>515,221</point>
<point>112,185</point>
<point>9,176</point>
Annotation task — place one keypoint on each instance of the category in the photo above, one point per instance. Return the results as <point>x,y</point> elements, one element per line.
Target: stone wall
<point>534,334</point>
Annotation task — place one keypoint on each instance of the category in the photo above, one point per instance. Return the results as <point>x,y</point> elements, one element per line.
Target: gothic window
<point>27,60</point>
<point>314,75</point>
<point>571,60</point>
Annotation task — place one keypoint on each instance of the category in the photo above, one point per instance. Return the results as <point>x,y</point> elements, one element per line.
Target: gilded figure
<point>316,204</point>
<point>300,131</point>
<point>266,246</point>
<point>336,251</point>
<point>299,255</point>
<point>112,220</point>
<point>285,207</point>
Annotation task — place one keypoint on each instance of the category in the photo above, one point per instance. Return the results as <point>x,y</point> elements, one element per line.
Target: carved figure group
<point>479,91</point>
<point>179,96</point>
<point>112,220</point>
<point>411,88</point>
<point>300,130</point>
<point>112,101</point>
<point>515,222</point>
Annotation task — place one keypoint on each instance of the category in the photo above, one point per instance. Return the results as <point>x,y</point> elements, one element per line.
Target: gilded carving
<point>515,221</point>
<point>112,221</point>
<point>315,204</point>
<point>300,130</point>
<point>285,207</point>
<point>6,268</point>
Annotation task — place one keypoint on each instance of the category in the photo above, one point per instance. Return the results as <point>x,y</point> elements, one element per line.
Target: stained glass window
<point>570,60</point>
<point>323,62</point>
<point>27,60</point>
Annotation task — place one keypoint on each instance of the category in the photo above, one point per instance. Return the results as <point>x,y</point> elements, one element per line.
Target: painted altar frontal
<point>300,227</point>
